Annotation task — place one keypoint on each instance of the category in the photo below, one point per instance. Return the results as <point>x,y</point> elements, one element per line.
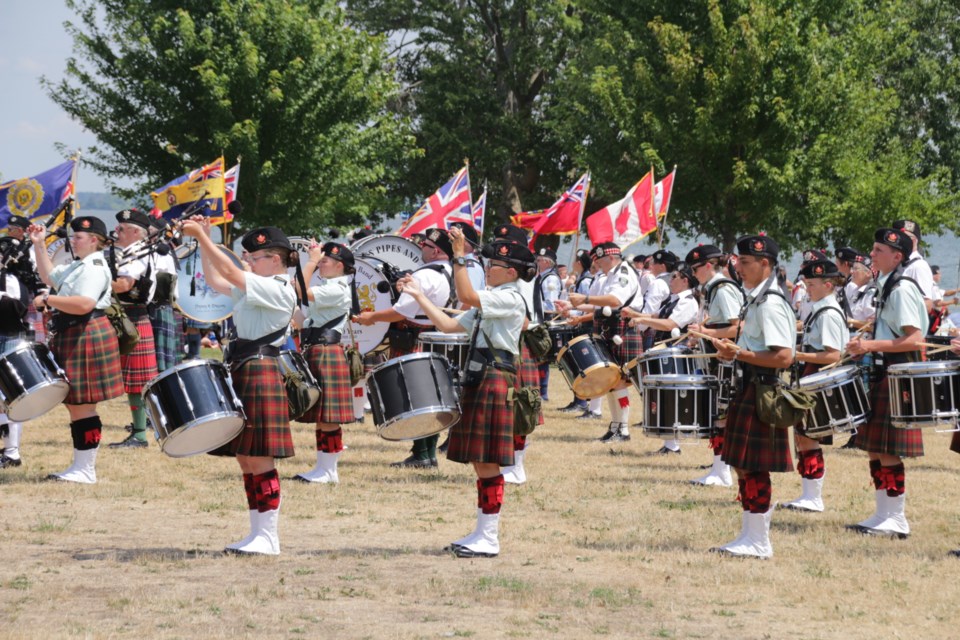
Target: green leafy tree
<point>169,85</point>
<point>771,109</point>
<point>477,75</point>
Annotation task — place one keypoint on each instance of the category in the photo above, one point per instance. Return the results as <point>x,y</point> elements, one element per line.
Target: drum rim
<point>22,345</point>
<point>918,369</point>
<point>850,372</point>
<point>198,422</point>
<point>452,338</point>
<point>682,351</point>
<point>592,336</point>
<point>182,367</point>
<point>433,409</point>
<point>409,357</point>
<point>12,406</point>
<point>677,381</point>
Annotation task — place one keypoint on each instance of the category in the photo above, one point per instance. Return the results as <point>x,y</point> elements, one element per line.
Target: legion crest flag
<point>36,196</point>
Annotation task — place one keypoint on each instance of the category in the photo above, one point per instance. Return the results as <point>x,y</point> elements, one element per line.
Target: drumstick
<point>697,334</point>
<point>669,340</point>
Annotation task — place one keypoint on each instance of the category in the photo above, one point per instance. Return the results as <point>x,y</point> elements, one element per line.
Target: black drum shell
<point>31,381</point>
<point>413,396</point>
<point>589,367</point>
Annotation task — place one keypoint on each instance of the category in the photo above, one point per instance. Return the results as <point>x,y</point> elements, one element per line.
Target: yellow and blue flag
<point>38,195</point>
<point>201,189</point>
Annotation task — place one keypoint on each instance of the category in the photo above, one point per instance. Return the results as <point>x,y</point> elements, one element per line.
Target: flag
<point>479,210</point>
<point>231,180</point>
<point>661,194</point>
<point>38,195</point>
<point>527,219</point>
<point>563,217</point>
<point>627,220</point>
<point>450,203</point>
<point>202,190</point>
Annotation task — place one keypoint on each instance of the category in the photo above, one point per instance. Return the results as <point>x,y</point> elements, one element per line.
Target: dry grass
<point>599,543</point>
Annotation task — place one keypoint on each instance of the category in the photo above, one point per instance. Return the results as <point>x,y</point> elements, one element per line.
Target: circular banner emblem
<point>24,197</point>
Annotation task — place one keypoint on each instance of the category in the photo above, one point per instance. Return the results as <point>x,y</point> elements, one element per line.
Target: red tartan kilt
<point>140,365</point>
<point>259,386</point>
<point>750,444</point>
<point>879,435</point>
<point>529,372</point>
<point>89,354</point>
<point>485,430</point>
<point>329,366</point>
<point>632,346</point>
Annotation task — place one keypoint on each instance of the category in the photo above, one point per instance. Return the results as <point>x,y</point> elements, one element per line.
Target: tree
<point>771,109</point>
<point>478,75</point>
<point>169,85</point>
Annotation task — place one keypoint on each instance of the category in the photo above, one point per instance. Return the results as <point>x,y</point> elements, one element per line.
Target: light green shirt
<point>829,330</point>
<point>502,313</point>
<point>331,299</point>
<point>89,277</point>
<point>904,308</point>
<point>768,324</point>
<point>267,306</point>
<point>726,303</point>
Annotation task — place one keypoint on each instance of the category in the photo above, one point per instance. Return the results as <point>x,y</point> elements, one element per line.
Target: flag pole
<point>73,181</point>
<point>661,227</point>
<point>483,220</point>
<point>583,206</point>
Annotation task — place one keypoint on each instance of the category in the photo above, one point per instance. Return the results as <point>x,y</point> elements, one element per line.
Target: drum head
<point>439,337</point>
<point>828,378</point>
<point>59,252</point>
<point>195,299</point>
<point>369,280</point>
<point>302,247</point>
<point>399,252</point>
<point>934,368</point>
<point>38,401</point>
<point>194,439</point>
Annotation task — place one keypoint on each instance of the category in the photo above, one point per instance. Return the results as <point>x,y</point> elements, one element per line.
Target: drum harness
<point>608,326</point>
<point>478,359</point>
<point>403,335</point>
<point>239,350</point>
<point>795,368</point>
<point>882,360</point>
<point>763,375</point>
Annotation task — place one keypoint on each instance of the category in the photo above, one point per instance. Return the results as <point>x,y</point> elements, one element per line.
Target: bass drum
<point>302,247</point>
<point>195,299</point>
<point>395,251</point>
<point>59,252</point>
<point>373,293</point>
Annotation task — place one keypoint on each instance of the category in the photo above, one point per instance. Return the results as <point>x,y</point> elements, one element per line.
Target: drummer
<point>825,335</point>
<point>263,304</point>
<point>900,325</point>
<point>166,321</point>
<point>764,348</point>
<point>547,288</point>
<point>134,283</point>
<point>620,288</point>
<point>483,436</point>
<point>328,312</point>
<point>408,321</point>
<point>15,298</point>
<point>676,312</point>
<point>83,340</point>
<point>582,279</point>
<point>722,300</point>
<point>662,265</point>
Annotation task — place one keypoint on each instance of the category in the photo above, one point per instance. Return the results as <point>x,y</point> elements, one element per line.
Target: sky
<point>34,43</point>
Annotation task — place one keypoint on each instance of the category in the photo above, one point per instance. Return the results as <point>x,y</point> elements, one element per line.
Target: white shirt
<point>657,292</point>
<point>919,270</point>
<point>622,283</point>
<point>89,278</point>
<point>434,285</point>
<point>726,300</point>
<point>904,308</point>
<point>864,308</point>
<point>686,310</point>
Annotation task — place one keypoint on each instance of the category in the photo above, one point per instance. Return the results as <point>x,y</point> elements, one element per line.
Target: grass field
<point>601,542</point>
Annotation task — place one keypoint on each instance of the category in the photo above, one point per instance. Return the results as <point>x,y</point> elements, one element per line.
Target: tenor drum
<point>455,347</point>
<point>301,386</point>
<point>193,408</point>
<point>589,368</point>
<point>560,336</point>
<point>31,381</point>
<point>413,396</point>
<point>399,252</point>
<point>925,394</point>
<point>663,362</point>
<point>195,299</point>
<point>373,293</point>
<point>679,406</point>
<point>842,402</point>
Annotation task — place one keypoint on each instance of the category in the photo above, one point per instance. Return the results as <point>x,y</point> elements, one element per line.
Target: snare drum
<point>925,394</point>
<point>679,406</point>
<point>193,408</point>
<point>842,402</point>
<point>301,386</point>
<point>455,347</point>
<point>729,380</point>
<point>588,367</point>
<point>664,362</point>
<point>413,397</point>
<point>31,381</point>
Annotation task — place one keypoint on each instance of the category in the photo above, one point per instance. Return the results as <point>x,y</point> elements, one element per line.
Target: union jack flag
<point>231,180</point>
<point>450,203</point>
<point>479,210</point>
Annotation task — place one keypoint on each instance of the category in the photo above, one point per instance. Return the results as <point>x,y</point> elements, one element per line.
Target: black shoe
<point>880,533</point>
<point>955,553</point>
<point>415,463</point>
<point>589,415</point>
<point>9,463</point>
<point>617,437</point>
<point>664,451</point>
<point>573,407</point>
<point>463,552</point>
<point>446,445</point>
<point>130,443</point>
<point>612,431</point>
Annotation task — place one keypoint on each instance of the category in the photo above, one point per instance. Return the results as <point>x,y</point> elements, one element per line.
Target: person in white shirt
<point>916,267</point>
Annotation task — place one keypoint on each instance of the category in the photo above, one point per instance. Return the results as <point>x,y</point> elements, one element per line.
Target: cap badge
<point>758,245</point>
<point>261,239</point>
<point>892,237</point>
<point>85,224</point>
<point>503,250</point>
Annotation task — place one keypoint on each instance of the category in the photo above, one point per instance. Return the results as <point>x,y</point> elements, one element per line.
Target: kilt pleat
<point>632,346</point>
<point>879,435</point>
<point>259,386</point>
<point>485,430</point>
<point>140,365</point>
<point>529,373</point>
<point>328,364</point>
<point>750,444</point>
<point>90,355</point>
<point>167,336</point>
